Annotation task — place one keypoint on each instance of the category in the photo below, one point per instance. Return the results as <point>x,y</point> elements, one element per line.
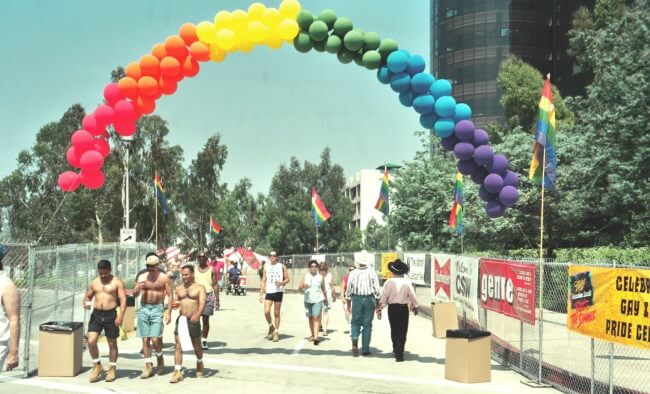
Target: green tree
<point>378,237</point>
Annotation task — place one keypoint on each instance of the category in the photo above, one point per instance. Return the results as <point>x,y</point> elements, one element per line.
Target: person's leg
<point>177,376</point>
<point>355,328</point>
<point>368,313</point>
<point>392,320</point>
<point>92,346</point>
<point>267,316</point>
<point>198,351</point>
<point>325,319</point>
<point>206,326</point>
<point>277,307</point>
<point>403,329</point>
<point>112,349</point>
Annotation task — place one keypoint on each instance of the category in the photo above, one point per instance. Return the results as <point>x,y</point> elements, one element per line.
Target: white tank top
<point>274,272</point>
<point>4,321</point>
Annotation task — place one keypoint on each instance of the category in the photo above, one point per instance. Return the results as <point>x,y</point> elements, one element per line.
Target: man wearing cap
<point>9,318</point>
<point>274,278</point>
<point>363,291</point>
<point>154,286</point>
<point>399,295</point>
<point>206,276</point>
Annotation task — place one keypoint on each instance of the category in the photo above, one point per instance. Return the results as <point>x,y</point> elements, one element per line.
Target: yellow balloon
<point>225,39</point>
<point>255,11</point>
<point>289,8</point>
<point>244,44</point>
<point>206,32</point>
<point>217,54</point>
<point>271,18</point>
<point>288,29</point>
<point>239,21</point>
<point>257,32</point>
<point>274,40</point>
<point>223,20</point>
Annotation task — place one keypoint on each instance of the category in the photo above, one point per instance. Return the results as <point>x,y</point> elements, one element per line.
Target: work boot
<point>110,373</point>
<point>276,336</point>
<point>269,335</point>
<point>199,369</point>
<point>96,373</point>
<point>177,376</point>
<point>160,367</point>
<point>355,348</point>
<point>147,372</point>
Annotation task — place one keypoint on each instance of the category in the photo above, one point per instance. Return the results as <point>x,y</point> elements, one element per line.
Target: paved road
<point>241,360</point>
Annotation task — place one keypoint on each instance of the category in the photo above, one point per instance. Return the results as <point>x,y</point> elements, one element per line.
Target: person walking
<point>363,291</point>
<point>330,295</point>
<point>206,276</point>
<point>344,301</point>
<point>313,284</point>
<point>274,278</point>
<point>9,318</point>
<point>104,294</point>
<point>191,300</point>
<point>398,295</point>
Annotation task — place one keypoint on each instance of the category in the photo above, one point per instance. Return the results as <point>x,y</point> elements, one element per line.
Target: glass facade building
<point>470,39</point>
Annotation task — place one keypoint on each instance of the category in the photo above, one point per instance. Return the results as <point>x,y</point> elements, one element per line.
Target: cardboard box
<point>60,349</point>
<point>467,357</point>
<point>443,318</point>
<point>129,319</point>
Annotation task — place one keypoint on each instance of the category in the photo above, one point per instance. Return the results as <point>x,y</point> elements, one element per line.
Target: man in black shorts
<point>103,294</point>
<point>274,278</point>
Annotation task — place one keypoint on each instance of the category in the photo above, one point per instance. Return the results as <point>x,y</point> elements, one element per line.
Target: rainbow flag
<point>382,201</point>
<point>456,215</point>
<point>159,192</point>
<point>545,140</point>
<point>318,210</point>
<point>215,228</point>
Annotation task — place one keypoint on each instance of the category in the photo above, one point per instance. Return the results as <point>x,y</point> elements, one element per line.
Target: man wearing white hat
<point>363,291</point>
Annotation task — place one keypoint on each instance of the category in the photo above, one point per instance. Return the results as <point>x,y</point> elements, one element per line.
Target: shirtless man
<point>153,285</point>
<point>103,294</point>
<point>174,270</point>
<point>191,300</point>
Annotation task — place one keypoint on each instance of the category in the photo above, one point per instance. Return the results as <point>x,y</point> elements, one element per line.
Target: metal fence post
<point>74,287</point>
<point>28,324</point>
<point>611,358</point>
<point>593,368</point>
<point>57,279</point>
<point>521,345</point>
<point>541,320</point>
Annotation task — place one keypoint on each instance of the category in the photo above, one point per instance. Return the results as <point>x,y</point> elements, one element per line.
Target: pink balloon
<point>112,94</point>
<point>92,180</point>
<point>82,140</point>
<point>72,157</point>
<point>91,161</point>
<point>102,146</point>
<point>125,112</point>
<point>104,114</point>
<point>68,181</point>
<point>125,129</point>
<point>89,123</point>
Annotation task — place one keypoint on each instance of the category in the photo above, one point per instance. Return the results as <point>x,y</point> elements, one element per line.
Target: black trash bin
<point>467,356</point>
<point>60,348</point>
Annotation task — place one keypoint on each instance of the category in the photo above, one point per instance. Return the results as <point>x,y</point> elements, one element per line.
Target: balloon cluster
<point>159,72</point>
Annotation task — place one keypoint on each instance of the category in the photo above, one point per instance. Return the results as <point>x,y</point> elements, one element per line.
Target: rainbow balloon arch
<point>159,72</point>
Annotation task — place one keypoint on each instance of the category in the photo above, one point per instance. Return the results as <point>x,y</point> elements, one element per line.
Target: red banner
<point>508,287</point>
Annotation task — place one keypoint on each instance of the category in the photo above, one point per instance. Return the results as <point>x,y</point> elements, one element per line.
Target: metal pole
<point>126,174</point>
<point>57,279</point>
<point>611,358</point>
<point>30,303</point>
<point>541,275</point>
<point>521,345</point>
<point>593,368</point>
<point>74,286</point>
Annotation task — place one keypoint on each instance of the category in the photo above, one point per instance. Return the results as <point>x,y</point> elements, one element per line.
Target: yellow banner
<point>612,304</point>
<point>386,258</point>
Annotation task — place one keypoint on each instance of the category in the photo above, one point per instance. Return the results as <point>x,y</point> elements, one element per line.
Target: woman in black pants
<point>399,295</point>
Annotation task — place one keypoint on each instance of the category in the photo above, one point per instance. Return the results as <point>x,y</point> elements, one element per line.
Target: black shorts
<point>275,297</point>
<point>104,320</point>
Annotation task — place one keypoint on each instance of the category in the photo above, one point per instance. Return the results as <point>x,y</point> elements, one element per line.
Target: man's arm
<point>121,295</point>
<point>11,301</point>
<point>170,297</point>
<point>90,293</point>
<point>138,287</point>
<point>215,288</point>
<point>202,296</point>
<point>322,287</point>
<point>285,275</point>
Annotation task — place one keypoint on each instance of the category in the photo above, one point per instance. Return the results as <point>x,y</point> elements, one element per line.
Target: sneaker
<point>324,333</point>
<point>316,341</point>
<point>160,367</point>
<point>276,336</point>
<point>269,335</point>
<point>200,372</point>
<point>177,376</point>
<point>365,353</point>
<point>204,344</point>
<point>110,373</point>
<point>96,373</point>
<point>147,372</point>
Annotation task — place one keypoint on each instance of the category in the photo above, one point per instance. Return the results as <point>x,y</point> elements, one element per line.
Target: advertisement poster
<point>612,304</point>
<point>508,287</point>
<point>415,261</point>
<point>464,285</point>
<point>441,277</point>
<point>384,273</point>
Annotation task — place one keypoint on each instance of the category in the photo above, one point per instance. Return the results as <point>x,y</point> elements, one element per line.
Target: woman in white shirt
<point>330,295</point>
<point>314,287</point>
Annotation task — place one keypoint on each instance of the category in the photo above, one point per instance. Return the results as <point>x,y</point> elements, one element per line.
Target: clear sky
<point>268,105</point>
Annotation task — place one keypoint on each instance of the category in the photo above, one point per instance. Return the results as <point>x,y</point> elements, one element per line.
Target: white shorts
<point>4,350</point>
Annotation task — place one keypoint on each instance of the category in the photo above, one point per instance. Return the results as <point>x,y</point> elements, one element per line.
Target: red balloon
<point>89,123</point>
<point>145,105</point>
<point>150,66</point>
<point>170,66</point>
<point>125,112</point>
<point>104,114</point>
<point>91,161</point>
<point>148,86</point>
<point>92,180</point>
<point>128,87</point>
<point>167,85</point>
<point>72,157</point>
<point>125,129</point>
<point>188,33</point>
<point>101,146</point>
<point>68,181</point>
<point>200,51</point>
<point>190,67</point>
<point>112,94</point>
<point>175,46</point>
<point>82,140</point>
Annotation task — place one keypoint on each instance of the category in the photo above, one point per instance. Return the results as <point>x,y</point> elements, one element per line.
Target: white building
<point>363,190</point>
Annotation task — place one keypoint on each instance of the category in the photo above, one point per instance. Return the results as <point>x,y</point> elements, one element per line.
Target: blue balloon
<point>400,82</point>
<point>428,121</point>
<point>462,112</point>
<point>444,127</point>
<point>480,137</point>
<point>440,87</point>
<point>464,151</point>
<point>445,106</point>
<point>384,75</point>
<point>420,83</point>
<point>406,98</point>
<point>397,61</point>
<point>424,104</point>
<point>415,64</point>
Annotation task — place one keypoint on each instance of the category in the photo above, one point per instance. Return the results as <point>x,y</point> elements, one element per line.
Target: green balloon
<point>371,60</point>
<point>342,26</point>
<point>345,56</point>
<point>328,16</point>
<point>358,58</point>
<point>371,40</point>
<point>318,30</point>
<point>386,47</point>
<point>353,40</point>
<point>333,44</point>
<point>319,46</point>
<point>304,19</point>
<point>302,42</point>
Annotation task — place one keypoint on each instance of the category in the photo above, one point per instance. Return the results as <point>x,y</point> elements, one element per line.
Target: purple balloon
<point>483,155</point>
<point>508,196</point>
<point>467,167</point>
<point>464,150</point>
<point>479,176</point>
<point>449,143</point>
<point>499,165</point>
<point>493,183</point>
<point>494,209</point>
<point>464,130</point>
<point>485,195</point>
<point>511,179</point>
<point>481,137</point>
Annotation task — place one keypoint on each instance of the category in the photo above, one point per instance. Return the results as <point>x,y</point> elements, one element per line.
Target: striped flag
<point>545,140</point>
<point>318,210</point>
<point>215,228</point>
<point>456,215</point>
<point>159,192</point>
<point>382,201</point>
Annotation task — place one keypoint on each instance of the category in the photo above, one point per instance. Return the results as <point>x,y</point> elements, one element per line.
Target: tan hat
<point>152,260</point>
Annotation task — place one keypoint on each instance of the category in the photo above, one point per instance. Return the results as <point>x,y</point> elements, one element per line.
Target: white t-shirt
<point>274,272</point>
<point>328,287</point>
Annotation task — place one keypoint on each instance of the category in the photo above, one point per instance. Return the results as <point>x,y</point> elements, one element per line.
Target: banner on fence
<point>415,261</point>
<point>464,285</point>
<point>612,304</point>
<point>508,287</point>
<point>441,278</point>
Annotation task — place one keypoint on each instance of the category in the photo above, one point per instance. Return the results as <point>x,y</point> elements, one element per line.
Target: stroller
<point>237,286</point>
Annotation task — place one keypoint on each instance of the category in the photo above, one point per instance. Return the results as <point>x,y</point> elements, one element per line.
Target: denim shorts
<point>313,309</point>
<point>150,320</point>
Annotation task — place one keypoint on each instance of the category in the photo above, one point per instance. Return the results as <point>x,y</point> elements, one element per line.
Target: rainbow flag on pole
<point>215,228</point>
<point>382,201</point>
<point>456,215</point>
<point>545,140</point>
<point>159,192</point>
<point>318,210</point>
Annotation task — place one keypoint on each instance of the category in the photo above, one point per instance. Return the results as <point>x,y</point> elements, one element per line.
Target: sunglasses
<point>323,269</point>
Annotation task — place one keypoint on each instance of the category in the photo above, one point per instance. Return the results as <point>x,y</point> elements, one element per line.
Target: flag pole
<point>317,248</point>
<point>155,205</point>
<point>541,272</point>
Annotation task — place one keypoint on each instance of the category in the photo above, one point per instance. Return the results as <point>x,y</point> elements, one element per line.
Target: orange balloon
<point>159,51</point>
<point>190,67</point>
<point>170,67</point>
<point>200,51</point>
<point>188,33</point>
<point>133,70</point>
<point>128,87</point>
<point>145,105</point>
<point>150,66</point>
<point>175,47</point>
<point>167,85</point>
<point>147,86</point>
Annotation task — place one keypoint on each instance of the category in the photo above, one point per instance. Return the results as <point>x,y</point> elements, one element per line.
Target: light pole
<point>126,144</point>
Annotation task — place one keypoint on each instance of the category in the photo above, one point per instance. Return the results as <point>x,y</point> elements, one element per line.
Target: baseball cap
<point>273,253</point>
<point>152,260</point>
